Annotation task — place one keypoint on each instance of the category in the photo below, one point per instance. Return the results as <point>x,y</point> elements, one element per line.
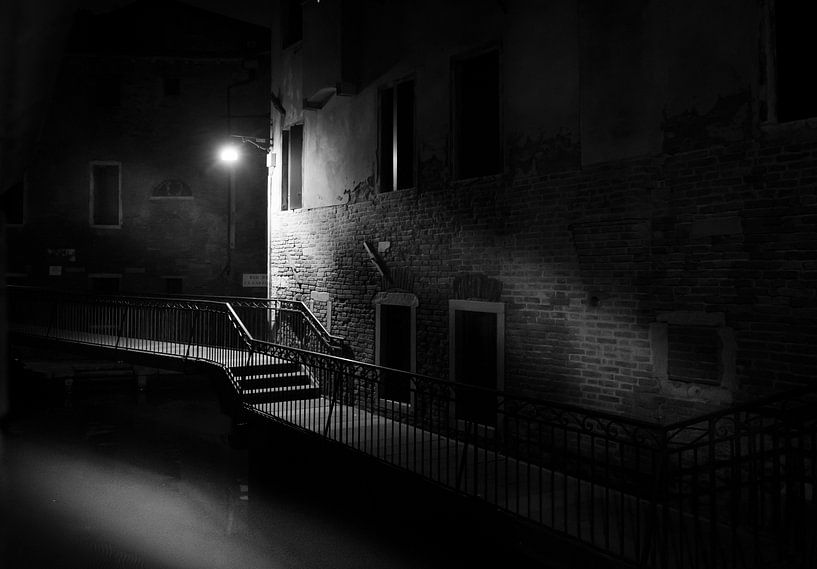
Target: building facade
<point>609,204</point>
<point>125,191</point>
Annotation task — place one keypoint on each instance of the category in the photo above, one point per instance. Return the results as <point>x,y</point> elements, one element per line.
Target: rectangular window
<point>106,200</point>
<point>397,137</point>
<point>794,45</point>
<point>292,146</point>
<point>292,22</point>
<point>285,170</point>
<point>694,354</point>
<point>13,202</point>
<point>108,90</point>
<point>476,116</point>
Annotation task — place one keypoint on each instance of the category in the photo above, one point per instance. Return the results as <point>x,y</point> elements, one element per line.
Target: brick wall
<point>155,137</point>
<point>586,260</point>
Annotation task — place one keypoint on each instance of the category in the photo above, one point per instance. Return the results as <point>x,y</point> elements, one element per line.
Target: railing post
<point>121,325</point>
<point>194,314</point>
<point>52,318</point>
<point>655,548</point>
<point>332,397</point>
<point>462,466</point>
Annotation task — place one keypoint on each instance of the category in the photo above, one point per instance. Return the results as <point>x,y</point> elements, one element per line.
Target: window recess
<point>292,147</point>
<point>476,115</point>
<point>106,194</point>
<point>396,136</point>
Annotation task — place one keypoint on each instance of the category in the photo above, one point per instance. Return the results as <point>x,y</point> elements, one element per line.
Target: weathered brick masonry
<point>588,259</point>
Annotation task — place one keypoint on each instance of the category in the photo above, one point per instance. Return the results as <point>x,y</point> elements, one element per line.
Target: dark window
<point>13,204</point>
<point>397,137</point>
<point>292,22</point>
<point>105,284</point>
<point>292,167</point>
<point>108,90</point>
<point>105,194</point>
<point>693,354</point>
<point>285,170</point>
<point>171,85</point>
<point>477,147</point>
<point>796,96</point>
<point>173,285</point>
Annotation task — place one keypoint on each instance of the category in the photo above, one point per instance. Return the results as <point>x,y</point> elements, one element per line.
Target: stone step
<point>265,369</point>
<point>282,394</point>
<point>273,381</point>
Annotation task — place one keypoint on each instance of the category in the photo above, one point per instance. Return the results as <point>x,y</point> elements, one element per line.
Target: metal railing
<point>740,485</point>
<point>199,330</point>
<point>287,322</point>
<point>733,489</point>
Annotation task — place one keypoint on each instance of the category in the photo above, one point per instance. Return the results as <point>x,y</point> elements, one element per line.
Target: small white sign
<point>55,271</point>
<point>254,280</point>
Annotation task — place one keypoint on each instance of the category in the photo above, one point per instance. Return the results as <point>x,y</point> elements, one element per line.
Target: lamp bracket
<point>264,144</point>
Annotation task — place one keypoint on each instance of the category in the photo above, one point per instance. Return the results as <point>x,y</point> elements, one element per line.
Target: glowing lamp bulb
<point>229,154</point>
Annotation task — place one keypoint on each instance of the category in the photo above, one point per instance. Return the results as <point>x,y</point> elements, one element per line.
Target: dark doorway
<point>395,351</point>
<point>476,364</point>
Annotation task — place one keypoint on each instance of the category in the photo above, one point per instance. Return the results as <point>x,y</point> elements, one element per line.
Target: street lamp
<point>229,154</point>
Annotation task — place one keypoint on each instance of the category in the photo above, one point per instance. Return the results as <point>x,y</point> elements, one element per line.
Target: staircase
<point>280,381</point>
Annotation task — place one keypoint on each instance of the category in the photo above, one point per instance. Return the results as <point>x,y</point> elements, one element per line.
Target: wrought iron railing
<point>733,489</point>
<point>280,321</point>
<point>189,329</point>
<point>740,485</point>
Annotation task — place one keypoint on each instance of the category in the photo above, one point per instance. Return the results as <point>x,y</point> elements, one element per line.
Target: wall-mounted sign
<point>171,189</point>
<point>63,254</point>
<point>254,280</point>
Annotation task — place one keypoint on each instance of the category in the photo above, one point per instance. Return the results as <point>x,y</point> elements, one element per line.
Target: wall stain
<point>432,173</point>
<point>529,156</point>
<point>728,120</point>
<point>364,190</point>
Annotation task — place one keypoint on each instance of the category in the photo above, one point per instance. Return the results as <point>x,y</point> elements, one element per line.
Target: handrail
<point>333,340</point>
<point>699,492</point>
<point>788,395</point>
<point>305,330</point>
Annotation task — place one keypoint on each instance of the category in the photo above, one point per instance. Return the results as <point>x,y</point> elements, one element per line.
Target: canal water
<point>114,477</point>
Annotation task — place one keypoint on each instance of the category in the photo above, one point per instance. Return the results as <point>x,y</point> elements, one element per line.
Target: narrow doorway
<point>476,335</point>
<point>395,344</point>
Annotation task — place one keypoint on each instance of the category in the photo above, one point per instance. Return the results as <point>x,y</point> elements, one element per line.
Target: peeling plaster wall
<point>338,173</point>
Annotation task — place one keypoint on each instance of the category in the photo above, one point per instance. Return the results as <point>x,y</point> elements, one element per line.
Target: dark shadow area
<point>424,521</point>
<point>112,476</point>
